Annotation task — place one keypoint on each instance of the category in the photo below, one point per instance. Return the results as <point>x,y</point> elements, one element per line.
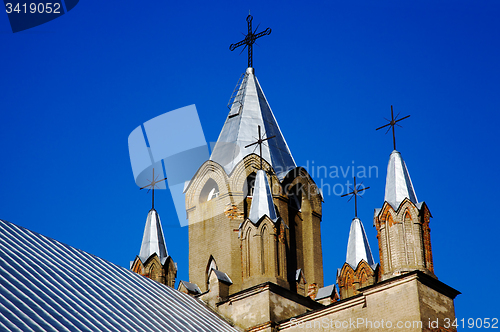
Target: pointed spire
<point>398,184</point>
<point>153,240</point>
<point>262,201</point>
<point>358,247</point>
<point>249,110</point>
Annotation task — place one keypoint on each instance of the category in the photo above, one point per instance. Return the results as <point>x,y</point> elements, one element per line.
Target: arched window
<point>409,239</point>
<point>363,278</point>
<point>249,185</point>
<point>295,196</point>
<point>153,272</point>
<point>246,253</point>
<point>264,247</point>
<point>212,265</point>
<point>209,191</point>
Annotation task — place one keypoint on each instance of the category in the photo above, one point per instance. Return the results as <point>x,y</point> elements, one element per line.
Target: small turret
<point>402,225</point>
<point>153,260</point>
<point>359,270</point>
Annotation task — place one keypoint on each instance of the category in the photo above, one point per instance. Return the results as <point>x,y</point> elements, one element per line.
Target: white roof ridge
<point>153,240</point>
<point>262,200</point>
<point>249,110</point>
<point>358,247</point>
<point>398,185</point>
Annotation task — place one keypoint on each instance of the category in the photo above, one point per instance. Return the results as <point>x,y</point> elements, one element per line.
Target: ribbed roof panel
<point>46,285</point>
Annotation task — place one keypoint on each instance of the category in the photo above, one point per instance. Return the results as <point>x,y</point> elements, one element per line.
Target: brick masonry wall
<point>404,302</point>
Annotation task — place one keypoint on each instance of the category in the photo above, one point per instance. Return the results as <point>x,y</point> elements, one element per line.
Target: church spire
<point>359,270</point>
<point>398,185</point>
<point>153,260</point>
<point>248,110</point>
<point>402,224</point>
<point>262,201</point>
<point>153,241</point>
<point>358,247</point>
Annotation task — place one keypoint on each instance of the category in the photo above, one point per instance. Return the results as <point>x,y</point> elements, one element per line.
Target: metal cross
<point>249,40</point>
<point>153,185</point>
<point>260,141</point>
<point>355,193</point>
<point>393,122</point>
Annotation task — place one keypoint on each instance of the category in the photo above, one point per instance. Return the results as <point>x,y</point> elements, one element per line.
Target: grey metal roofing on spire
<point>249,110</point>
<point>325,292</point>
<point>398,184</point>
<point>190,286</point>
<point>262,200</point>
<point>153,240</point>
<point>46,285</point>
<point>358,247</point>
<point>222,276</point>
<point>298,273</point>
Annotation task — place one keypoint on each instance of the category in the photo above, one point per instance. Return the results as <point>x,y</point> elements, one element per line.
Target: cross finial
<point>260,141</point>
<point>393,122</point>
<point>355,193</point>
<point>250,39</point>
<point>152,184</point>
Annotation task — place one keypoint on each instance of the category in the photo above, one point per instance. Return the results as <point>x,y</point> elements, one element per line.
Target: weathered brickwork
<point>405,303</point>
<point>217,206</point>
<point>263,252</point>
<point>404,239</point>
<point>350,280</point>
<point>261,307</point>
<point>153,269</point>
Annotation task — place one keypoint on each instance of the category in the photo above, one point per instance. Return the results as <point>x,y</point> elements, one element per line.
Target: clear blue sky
<point>73,89</point>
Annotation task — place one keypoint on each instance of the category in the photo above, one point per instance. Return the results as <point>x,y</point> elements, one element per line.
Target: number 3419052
<point>41,8</point>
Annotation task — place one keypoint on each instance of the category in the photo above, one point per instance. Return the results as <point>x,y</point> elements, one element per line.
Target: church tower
<point>153,260</point>
<point>255,218</point>
<point>402,225</point>
<point>255,253</point>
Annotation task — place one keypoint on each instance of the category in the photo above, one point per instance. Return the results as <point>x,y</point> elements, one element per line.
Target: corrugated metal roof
<point>250,110</point>
<point>46,285</point>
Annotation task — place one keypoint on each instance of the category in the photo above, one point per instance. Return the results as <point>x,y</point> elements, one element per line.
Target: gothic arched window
<point>212,265</point>
<point>209,191</point>
<point>249,185</point>
<point>295,196</point>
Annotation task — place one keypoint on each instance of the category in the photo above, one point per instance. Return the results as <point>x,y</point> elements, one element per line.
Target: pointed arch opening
<point>153,271</point>
<point>295,196</point>
<point>248,188</point>
<point>210,191</point>
<point>249,185</point>
<point>246,253</point>
<point>211,265</point>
